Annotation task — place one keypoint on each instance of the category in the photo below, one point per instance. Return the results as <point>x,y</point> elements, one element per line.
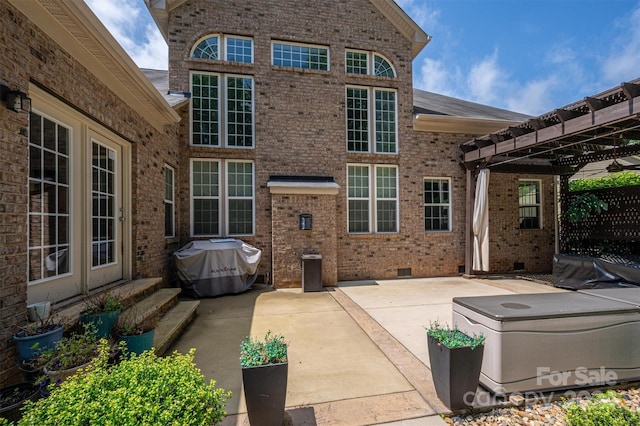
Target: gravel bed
<point>541,413</point>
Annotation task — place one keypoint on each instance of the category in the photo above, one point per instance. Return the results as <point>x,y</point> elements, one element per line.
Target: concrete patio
<point>357,352</point>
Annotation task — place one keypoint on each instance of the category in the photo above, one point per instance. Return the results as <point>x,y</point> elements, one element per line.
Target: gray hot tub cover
<point>214,267</point>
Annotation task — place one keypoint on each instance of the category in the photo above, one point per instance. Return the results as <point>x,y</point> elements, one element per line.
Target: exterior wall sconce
<point>15,100</point>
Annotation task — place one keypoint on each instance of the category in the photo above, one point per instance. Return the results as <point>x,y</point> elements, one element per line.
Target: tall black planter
<point>456,373</point>
<point>265,392</point>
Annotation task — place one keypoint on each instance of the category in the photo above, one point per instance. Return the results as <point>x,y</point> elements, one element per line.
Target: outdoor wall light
<point>15,100</point>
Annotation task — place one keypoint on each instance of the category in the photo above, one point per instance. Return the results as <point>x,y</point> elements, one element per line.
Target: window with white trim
<point>368,63</point>
<point>222,110</point>
<point>222,197</point>
<point>529,200</point>
<point>371,126</point>
<point>303,56</point>
<point>437,204</point>
<point>232,48</point>
<point>372,198</point>
<point>169,201</point>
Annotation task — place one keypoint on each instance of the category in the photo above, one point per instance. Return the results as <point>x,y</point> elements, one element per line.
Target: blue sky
<point>530,56</point>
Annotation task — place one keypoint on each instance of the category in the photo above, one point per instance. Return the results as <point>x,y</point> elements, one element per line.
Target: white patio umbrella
<point>481,223</point>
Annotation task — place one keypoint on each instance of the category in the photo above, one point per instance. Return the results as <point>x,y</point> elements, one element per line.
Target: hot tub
<point>551,341</point>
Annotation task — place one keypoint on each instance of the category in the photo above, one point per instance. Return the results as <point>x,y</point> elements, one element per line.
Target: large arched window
<point>368,63</point>
<point>227,47</point>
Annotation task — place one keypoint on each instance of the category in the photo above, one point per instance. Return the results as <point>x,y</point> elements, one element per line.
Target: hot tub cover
<point>215,267</point>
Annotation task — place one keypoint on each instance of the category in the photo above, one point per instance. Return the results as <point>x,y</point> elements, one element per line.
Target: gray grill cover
<point>215,267</point>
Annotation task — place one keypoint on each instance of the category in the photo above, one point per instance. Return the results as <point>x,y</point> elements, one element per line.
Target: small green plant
<point>271,350</point>
<point>101,303</point>
<point>602,410</point>
<point>454,338</point>
<point>140,390</point>
<point>584,205</point>
<point>132,324</point>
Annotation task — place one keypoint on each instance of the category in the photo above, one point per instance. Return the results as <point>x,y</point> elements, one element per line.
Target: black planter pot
<point>456,373</point>
<point>265,392</point>
<point>26,391</point>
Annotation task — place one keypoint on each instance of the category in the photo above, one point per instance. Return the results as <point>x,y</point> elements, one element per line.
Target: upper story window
<point>529,203</point>
<point>231,48</point>
<point>371,120</point>
<point>437,204</point>
<point>368,63</point>
<point>222,110</point>
<point>304,56</point>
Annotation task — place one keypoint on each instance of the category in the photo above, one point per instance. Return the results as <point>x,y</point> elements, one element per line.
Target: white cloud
<point>486,80</point>
<point>534,98</point>
<point>131,25</point>
<point>623,61</point>
<point>434,76</point>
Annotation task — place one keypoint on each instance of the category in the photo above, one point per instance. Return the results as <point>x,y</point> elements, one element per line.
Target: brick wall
<point>30,55</point>
<point>292,243</point>
<point>508,244</point>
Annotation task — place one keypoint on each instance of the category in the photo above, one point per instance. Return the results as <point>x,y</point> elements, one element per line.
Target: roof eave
<point>458,125</point>
<point>76,28</point>
<point>404,24</point>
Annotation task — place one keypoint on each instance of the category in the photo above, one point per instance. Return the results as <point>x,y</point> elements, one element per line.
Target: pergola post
<point>564,205</point>
<point>468,244</point>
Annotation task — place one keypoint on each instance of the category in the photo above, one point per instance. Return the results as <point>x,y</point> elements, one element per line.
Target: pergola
<point>605,126</point>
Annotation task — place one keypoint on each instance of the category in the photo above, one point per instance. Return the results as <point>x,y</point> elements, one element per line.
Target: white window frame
<point>172,201</point>
<point>371,113</point>
<point>449,204</point>
<point>223,86</point>
<point>223,197</point>
<point>538,205</point>
<point>311,46</point>
<point>373,198</point>
<point>222,47</point>
<point>370,63</point>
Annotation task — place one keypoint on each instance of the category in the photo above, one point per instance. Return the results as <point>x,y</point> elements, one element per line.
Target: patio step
<point>154,305</point>
<point>173,323</point>
<point>129,293</point>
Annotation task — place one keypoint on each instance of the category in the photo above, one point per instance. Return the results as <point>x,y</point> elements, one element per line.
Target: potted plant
<point>102,310</point>
<point>144,389</point>
<point>13,397</point>
<point>264,376</point>
<point>38,336</point>
<point>69,355</point>
<point>137,332</point>
<point>456,361</point>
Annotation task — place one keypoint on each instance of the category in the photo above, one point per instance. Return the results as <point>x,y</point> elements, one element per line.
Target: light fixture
<point>15,100</point>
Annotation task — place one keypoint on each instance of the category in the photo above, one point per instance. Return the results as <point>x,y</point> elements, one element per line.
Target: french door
<point>77,203</point>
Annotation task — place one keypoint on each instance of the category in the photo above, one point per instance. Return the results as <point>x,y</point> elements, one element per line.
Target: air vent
<point>404,272</point>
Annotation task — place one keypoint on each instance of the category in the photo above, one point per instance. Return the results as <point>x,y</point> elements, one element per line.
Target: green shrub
<point>602,410</point>
<point>140,390</point>
<point>614,180</point>
<point>584,205</point>
<point>454,338</point>
<point>271,350</point>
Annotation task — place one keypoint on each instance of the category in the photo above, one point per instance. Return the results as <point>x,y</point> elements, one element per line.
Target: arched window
<point>207,48</point>
<point>382,67</point>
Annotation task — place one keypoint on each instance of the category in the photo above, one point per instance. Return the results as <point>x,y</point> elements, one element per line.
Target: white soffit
<point>460,125</point>
<point>76,29</point>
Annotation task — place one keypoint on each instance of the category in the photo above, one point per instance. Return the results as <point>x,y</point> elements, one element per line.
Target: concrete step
<point>173,323</point>
<point>129,292</point>
<point>154,305</point>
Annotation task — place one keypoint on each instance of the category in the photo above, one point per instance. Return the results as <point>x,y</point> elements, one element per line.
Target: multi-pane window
<point>437,204</point>
<point>103,211</point>
<point>222,113</point>
<point>169,202</point>
<point>49,198</point>
<point>367,63</point>
<point>372,198</point>
<point>222,197</point>
<point>300,56</point>
<point>363,115</point>
<point>237,49</point>
<point>529,202</point>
